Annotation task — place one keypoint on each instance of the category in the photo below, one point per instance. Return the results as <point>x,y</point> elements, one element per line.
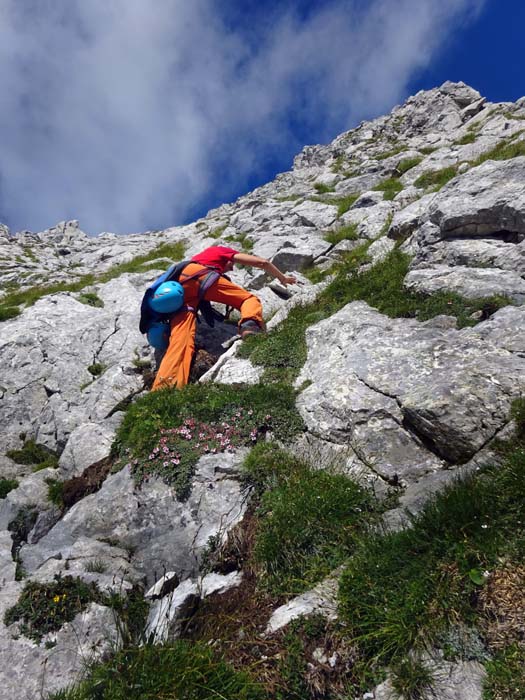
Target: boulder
<point>403,394</point>
<point>468,282</point>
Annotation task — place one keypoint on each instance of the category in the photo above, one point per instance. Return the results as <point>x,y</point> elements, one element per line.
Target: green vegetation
<point>96,369</point>
<point>389,187</point>
<point>178,671</point>
<point>309,519</point>
<point>314,273</point>
<point>96,566</point>
<point>402,591</point>
<point>7,485</point>
<point>32,453</point>
<point>322,188</point>
<point>427,150</point>
<point>55,491</point>
<point>29,253</point>
<point>469,137</point>
<point>338,164</point>
<point>217,232</point>
<point>503,151</point>
<point>435,179</point>
<point>91,299</point>
<point>393,152</point>
<point>44,608</point>
<point>27,297</point>
<point>161,433</point>
<point>506,675</point>
<point>343,204</point>
<point>283,352</point>
<point>345,233</point>
<point>407,164</point>
<point>411,679</point>
<point>7,312</point>
<point>241,238</point>
<point>382,287</point>
<point>513,115</point>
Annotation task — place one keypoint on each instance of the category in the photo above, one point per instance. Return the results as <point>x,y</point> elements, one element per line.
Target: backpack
<point>155,324</point>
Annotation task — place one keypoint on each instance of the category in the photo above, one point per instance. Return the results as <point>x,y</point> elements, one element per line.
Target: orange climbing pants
<point>174,369</point>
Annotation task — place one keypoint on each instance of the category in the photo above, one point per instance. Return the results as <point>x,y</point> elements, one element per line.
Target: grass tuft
<point>412,679</point>
<point>503,151</point>
<point>7,485</point>
<point>308,526</point>
<point>401,591</point>
<point>390,187</point>
<point>322,188</point>
<point>55,491</point>
<point>345,233</point>
<point>393,152</point>
<point>217,232</point>
<point>469,137</point>
<point>96,369</point>
<point>8,311</point>
<point>44,608</point>
<point>178,671</point>
<point>407,164</point>
<point>91,299</point>
<point>32,453</point>
<point>436,179</point>
<point>344,203</point>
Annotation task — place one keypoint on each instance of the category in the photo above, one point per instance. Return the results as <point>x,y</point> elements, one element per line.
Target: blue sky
<point>132,115</point>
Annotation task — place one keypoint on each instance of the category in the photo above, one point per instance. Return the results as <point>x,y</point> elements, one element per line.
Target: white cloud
<point>126,114</point>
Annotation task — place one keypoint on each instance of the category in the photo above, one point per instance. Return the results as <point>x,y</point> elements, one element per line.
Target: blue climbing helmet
<point>167,298</point>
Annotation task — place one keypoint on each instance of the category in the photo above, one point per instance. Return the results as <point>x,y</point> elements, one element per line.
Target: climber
<point>175,366</point>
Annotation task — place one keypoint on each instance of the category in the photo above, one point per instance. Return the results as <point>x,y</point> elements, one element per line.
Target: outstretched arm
<point>266,265</point>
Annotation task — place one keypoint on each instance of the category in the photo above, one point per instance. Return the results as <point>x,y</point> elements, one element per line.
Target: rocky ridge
<point>407,403</point>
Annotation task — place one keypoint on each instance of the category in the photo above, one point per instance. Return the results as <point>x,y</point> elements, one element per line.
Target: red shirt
<point>217,256</point>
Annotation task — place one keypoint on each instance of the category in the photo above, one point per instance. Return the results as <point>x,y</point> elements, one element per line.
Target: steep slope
<point>407,351</point>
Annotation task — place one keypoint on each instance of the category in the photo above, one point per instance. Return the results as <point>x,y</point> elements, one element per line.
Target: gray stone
<point>316,214</point>
<point>383,384</point>
<point>485,200</point>
<point>30,670</point>
<point>471,283</point>
<point>504,329</point>
<point>485,253</point>
<point>321,600</point>
<point>462,680</point>
<point>7,565</point>
<point>32,492</point>
<point>87,444</point>
<point>379,249</point>
<point>166,615</point>
<point>163,532</point>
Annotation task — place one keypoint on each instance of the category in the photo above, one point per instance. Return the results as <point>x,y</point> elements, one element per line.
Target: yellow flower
<point>56,599</point>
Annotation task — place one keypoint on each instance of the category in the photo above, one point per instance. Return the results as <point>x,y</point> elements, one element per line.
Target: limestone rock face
<point>402,402</point>
<point>487,199</point>
<point>403,394</point>
<point>163,532</point>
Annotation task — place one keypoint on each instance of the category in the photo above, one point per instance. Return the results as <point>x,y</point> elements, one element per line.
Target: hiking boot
<point>249,327</point>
